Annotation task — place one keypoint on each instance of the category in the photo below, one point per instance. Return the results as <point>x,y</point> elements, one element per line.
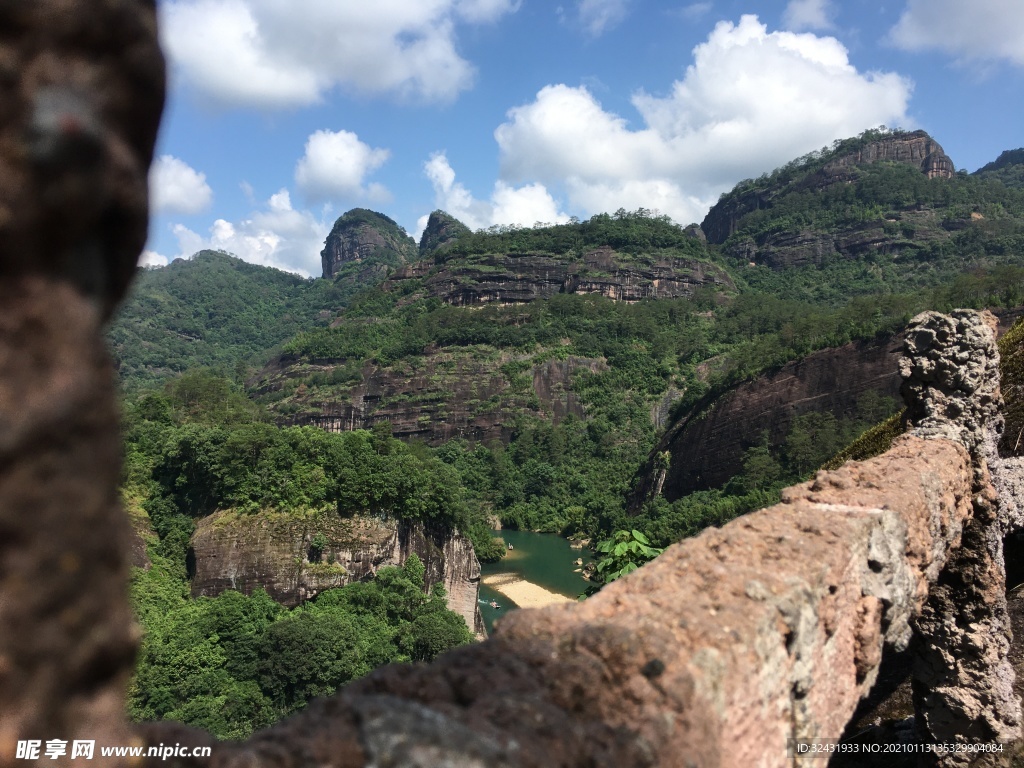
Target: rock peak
<point>362,235</point>
<point>442,228</point>
<point>914,148</point>
<point>819,170</point>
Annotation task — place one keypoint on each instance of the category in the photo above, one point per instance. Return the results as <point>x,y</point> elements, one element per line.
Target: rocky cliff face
<point>366,236</point>
<point>274,551</point>
<point>442,228</point>
<point>724,217</point>
<point>803,247</point>
<point>915,148</point>
<point>707,446</point>
<point>522,277</point>
<point>445,396</point>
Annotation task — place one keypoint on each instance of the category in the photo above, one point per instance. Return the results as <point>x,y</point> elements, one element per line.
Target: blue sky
<point>518,111</point>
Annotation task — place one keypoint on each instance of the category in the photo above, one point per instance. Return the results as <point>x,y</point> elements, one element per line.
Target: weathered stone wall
<point>951,386</point>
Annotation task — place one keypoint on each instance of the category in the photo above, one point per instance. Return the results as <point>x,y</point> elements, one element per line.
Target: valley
<point>294,442</point>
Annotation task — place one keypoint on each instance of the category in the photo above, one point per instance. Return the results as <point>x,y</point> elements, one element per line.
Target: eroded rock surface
<point>440,397</point>
<point>916,148</point>
<point>274,551</point>
<point>361,235</point>
<point>864,240</point>
<point>963,678</point>
<point>707,446</point>
<point>515,278</point>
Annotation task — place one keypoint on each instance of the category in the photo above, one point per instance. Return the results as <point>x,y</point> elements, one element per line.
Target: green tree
<point>306,655</point>
<point>623,553</point>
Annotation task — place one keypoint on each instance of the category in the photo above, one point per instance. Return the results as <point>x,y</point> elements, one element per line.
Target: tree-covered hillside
<point>215,310</point>
<point>234,663</point>
<point>1007,168</point>
<point>640,232</point>
<point>398,352</point>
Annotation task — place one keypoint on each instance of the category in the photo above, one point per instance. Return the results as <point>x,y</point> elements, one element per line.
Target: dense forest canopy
<point>217,310</point>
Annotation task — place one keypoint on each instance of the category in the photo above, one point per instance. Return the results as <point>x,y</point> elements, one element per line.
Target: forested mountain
<point>1007,168</point>
<point>212,310</point>
<point>215,310</point>
<point>531,372</point>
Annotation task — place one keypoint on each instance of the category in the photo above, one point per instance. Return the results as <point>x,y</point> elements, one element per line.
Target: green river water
<point>542,558</point>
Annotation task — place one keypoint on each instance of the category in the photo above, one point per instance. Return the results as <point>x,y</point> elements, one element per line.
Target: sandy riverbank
<point>523,593</point>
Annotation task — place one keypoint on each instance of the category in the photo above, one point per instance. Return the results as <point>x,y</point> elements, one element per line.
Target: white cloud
<point>523,205</point>
<point>808,14</point>
<point>276,235</point>
<point>263,53</point>
<point>751,101</point>
<point>596,16</point>
<point>152,259</point>
<point>694,11</point>
<point>176,187</point>
<point>983,30</point>
<point>336,164</point>
<point>486,11</point>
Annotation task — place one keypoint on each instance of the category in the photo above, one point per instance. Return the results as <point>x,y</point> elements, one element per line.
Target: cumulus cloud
<point>983,30</point>
<point>808,14</point>
<point>752,100</point>
<point>262,53</point>
<point>524,205</point>
<point>335,165</point>
<point>276,235</point>
<point>176,187</point>
<point>596,16</point>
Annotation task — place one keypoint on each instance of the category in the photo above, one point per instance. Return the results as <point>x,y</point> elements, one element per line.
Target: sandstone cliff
<point>916,148</point>
<point>447,394</point>
<point>798,247</point>
<point>275,551</point>
<point>369,237</point>
<point>511,278</point>
<point>707,445</point>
